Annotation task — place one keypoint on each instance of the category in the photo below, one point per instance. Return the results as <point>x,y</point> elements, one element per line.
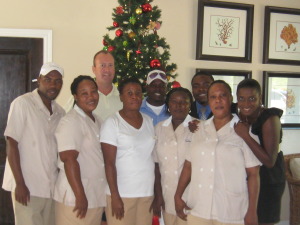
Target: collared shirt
<point>31,125</point>
<point>134,161</point>
<point>164,114</point>
<point>169,153</point>
<point>77,131</point>
<point>207,109</point>
<point>108,104</point>
<point>218,187</point>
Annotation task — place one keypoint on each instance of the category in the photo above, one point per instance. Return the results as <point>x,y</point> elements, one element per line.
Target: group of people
<point>201,161</point>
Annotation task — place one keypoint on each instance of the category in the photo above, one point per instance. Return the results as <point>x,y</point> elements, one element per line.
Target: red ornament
<point>175,84</point>
<point>104,42</point>
<point>155,63</point>
<point>155,220</point>
<point>111,48</point>
<point>119,32</point>
<point>116,24</point>
<point>119,10</point>
<point>146,7</point>
<point>138,52</point>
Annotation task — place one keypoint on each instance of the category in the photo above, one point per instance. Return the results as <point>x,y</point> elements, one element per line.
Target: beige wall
<point>78,27</point>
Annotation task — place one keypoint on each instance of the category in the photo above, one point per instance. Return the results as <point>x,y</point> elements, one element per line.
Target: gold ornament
<point>128,54</point>
<point>168,78</point>
<point>138,11</point>
<point>151,25</point>
<point>131,34</point>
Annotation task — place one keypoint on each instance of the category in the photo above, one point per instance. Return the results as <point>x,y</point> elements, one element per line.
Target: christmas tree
<point>137,47</point>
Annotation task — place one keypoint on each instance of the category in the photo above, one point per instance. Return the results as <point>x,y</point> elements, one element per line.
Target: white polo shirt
<point>218,187</point>
<point>77,131</point>
<point>169,152</point>
<point>134,162</point>
<point>31,125</point>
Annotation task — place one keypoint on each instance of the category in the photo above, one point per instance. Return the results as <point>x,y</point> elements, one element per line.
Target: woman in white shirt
<point>169,153</point>
<point>220,168</point>
<point>127,141</point>
<point>80,187</point>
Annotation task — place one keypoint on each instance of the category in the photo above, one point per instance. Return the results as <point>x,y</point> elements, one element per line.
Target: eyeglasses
<point>162,75</point>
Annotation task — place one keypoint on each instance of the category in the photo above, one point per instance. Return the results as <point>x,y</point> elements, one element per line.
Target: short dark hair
<point>77,81</point>
<point>227,86</point>
<point>126,81</point>
<point>179,89</point>
<point>249,83</point>
<point>202,74</point>
<point>101,52</point>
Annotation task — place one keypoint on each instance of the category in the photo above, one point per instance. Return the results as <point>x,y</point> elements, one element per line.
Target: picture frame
<point>232,77</point>
<point>282,90</point>
<point>224,31</point>
<point>281,45</point>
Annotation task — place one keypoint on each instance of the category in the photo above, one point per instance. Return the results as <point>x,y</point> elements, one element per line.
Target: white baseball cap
<point>156,74</point>
<point>50,66</point>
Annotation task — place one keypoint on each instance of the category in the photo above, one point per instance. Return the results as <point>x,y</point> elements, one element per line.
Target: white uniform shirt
<point>218,187</point>
<point>108,104</point>
<point>134,162</point>
<point>31,125</point>
<point>169,153</point>
<point>77,131</point>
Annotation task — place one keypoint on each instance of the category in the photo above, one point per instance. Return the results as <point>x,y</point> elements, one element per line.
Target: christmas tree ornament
<point>131,34</point>
<point>155,63</point>
<point>119,10</point>
<point>115,24</point>
<point>132,20</point>
<point>128,54</point>
<point>168,78</point>
<point>175,84</point>
<point>119,33</point>
<point>111,48</point>
<point>157,26</point>
<point>125,43</point>
<point>104,42</point>
<point>139,11</point>
<point>105,48</point>
<point>138,52</point>
<point>151,25</point>
<point>146,7</point>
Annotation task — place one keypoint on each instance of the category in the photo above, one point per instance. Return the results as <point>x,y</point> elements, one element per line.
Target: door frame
<point>32,33</point>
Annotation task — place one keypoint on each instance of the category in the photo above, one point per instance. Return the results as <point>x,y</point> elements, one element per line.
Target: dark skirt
<point>272,184</point>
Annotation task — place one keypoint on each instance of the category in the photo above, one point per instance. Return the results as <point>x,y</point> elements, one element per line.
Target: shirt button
<point>175,143</point>
<point>201,169</point>
<point>200,185</point>
<point>213,153</point>
<point>175,157</point>
<point>217,139</point>
<point>210,186</point>
<point>212,170</point>
<point>166,158</point>
<point>49,119</point>
<point>175,172</point>
<point>202,153</point>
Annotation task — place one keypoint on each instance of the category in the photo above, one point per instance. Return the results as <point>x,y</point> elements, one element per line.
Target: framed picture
<point>282,90</point>
<point>282,36</point>
<point>224,31</point>
<point>232,77</point>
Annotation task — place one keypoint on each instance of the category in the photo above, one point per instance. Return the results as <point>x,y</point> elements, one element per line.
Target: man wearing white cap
<point>154,105</point>
<point>31,166</point>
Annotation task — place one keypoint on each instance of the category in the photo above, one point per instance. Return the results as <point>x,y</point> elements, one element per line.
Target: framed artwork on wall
<point>282,36</point>
<point>224,31</point>
<point>282,90</point>
<point>232,77</point>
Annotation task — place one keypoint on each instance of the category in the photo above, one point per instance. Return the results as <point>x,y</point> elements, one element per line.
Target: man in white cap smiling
<point>31,166</point>
<point>154,105</point>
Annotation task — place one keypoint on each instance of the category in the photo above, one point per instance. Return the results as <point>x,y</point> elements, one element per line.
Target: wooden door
<point>20,62</point>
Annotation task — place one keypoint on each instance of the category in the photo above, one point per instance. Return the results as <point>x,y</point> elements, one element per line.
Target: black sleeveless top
<point>275,174</point>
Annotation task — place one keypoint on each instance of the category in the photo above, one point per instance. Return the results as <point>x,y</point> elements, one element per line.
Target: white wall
<point>78,27</point>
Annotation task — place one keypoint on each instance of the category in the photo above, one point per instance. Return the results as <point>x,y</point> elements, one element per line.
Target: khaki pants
<point>170,219</point>
<point>136,211</point>
<point>39,211</point>
<point>64,215</point>
<point>193,220</point>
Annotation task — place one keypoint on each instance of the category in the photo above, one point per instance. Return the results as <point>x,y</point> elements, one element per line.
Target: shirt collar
<point>234,120</point>
<point>79,111</point>
<point>185,123</point>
